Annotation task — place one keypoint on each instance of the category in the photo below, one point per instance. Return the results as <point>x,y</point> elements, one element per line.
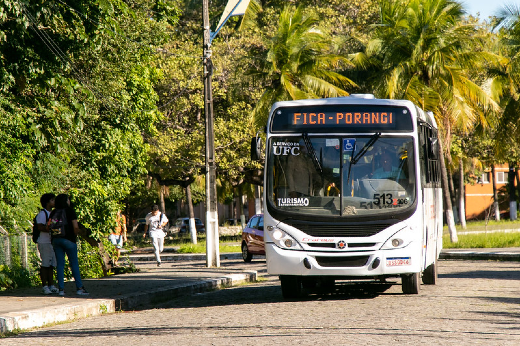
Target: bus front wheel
<point>411,283</point>
<point>430,275</point>
<point>291,286</point>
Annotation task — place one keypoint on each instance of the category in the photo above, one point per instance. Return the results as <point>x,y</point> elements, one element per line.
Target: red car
<point>253,238</point>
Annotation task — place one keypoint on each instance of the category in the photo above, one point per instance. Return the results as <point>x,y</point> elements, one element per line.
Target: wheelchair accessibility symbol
<point>349,144</point>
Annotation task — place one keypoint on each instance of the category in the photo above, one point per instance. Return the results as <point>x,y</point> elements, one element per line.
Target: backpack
<point>58,223</point>
<point>35,230</point>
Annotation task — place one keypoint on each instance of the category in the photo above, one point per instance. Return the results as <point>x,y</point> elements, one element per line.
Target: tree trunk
<point>232,206</point>
<point>241,207</point>
<point>258,200</point>
<point>193,228</point>
<point>495,193</point>
<point>447,198</point>
<point>462,208</point>
<point>512,192</point>
<point>517,178</point>
<point>161,198</point>
<point>453,194</point>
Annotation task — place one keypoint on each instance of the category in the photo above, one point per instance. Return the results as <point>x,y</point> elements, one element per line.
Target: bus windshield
<point>343,176</point>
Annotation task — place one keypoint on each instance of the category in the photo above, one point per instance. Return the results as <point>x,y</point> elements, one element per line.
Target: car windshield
<point>344,176</point>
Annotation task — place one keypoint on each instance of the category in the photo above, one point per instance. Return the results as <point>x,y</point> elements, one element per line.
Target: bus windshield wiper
<point>363,150</point>
<point>312,153</point>
<point>358,156</point>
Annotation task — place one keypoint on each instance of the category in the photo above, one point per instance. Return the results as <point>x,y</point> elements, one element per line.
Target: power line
<point>84,80</point>
<point>153,50</point>
<point>55,49</point>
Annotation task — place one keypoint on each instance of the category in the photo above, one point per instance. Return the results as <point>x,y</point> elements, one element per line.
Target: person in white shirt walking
<point>155,223</point>
<point>47,256</point>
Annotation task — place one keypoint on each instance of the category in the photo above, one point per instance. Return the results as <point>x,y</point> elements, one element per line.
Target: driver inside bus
<point>387,168</point>
<point>301,174</point>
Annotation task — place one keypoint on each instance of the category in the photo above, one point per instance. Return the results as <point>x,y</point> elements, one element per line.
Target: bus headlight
<point>397,241</point>
<point>283,240</point>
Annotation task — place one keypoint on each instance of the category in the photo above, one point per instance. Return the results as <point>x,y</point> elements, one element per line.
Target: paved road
<point>474,303</point>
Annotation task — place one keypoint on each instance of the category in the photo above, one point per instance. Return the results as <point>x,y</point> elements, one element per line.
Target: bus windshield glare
<point>341,176</point>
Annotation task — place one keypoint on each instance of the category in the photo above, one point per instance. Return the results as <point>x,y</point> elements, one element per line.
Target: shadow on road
<point>269,292</point>
<point>484,274</point>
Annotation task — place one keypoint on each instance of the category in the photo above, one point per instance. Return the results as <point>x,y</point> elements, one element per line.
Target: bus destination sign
<point>356,118</point>
<point>352,118</point>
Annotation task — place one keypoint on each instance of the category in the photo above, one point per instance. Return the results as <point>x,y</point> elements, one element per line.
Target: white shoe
<point>46,290</point>
<point>54,289</point>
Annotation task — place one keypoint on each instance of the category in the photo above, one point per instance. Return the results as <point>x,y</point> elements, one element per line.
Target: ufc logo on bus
<point>286,150</point>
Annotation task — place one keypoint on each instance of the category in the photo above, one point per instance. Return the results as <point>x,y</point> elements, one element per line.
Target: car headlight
<point>399,240</point>
<point>283,240</point>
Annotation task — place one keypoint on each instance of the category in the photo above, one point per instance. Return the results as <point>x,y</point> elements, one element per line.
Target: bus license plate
<point>398,261</point>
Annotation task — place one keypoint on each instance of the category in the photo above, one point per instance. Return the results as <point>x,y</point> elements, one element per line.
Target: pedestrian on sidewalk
<point>155,222</point>
<point>45,249</point>
<point>64,242</point>
<point>118,236</point>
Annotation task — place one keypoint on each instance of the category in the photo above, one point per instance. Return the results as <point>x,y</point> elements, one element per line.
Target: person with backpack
<point>155,222</point>
<point>42,237</point>
<point>64,227</point>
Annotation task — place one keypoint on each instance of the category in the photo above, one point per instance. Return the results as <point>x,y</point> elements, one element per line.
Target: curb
<point>179,257</point>
<point>480,255</point>
<point>94,307</point>
<point>50,315</point>
<point>134,301</point>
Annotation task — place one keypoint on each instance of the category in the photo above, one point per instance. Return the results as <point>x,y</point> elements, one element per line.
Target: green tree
<point>177,150</point>
<point>426,51</point>
<point>77,94</point>
<point>506,85</point>
<point>300,63</point>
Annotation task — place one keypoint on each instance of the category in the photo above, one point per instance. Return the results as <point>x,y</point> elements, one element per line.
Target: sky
<point>486,7</point>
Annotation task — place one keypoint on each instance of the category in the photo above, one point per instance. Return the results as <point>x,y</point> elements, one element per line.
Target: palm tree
<point>299,64</point>
<point>507,85</point>
<point>426,53</point>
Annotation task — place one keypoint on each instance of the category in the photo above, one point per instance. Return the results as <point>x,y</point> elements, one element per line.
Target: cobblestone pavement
<point>474,303</point>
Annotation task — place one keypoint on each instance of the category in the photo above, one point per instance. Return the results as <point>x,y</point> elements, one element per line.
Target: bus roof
<point>361,99</point>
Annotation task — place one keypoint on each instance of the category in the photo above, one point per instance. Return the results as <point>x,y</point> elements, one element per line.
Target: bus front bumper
<point>356,264</point>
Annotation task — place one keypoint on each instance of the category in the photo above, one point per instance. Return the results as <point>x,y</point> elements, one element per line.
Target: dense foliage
<point>77,96</point>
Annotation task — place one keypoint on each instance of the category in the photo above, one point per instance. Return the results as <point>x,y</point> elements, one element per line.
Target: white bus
<point>351,192</point>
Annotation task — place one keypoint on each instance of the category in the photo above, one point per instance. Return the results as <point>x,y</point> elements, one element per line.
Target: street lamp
<point>233,8</point>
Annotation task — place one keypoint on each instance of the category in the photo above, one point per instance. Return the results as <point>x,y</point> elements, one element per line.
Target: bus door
<point>432,198</point>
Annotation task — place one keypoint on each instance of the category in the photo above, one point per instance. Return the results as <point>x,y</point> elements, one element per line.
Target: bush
<point>14,277</point>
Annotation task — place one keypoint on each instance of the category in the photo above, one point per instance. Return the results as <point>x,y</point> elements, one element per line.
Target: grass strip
<point>495,239</point>
<point>200,247</point>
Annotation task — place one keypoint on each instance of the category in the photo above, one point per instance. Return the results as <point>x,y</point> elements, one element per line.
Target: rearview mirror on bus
<point>433,148</point>
<point>256,148</point>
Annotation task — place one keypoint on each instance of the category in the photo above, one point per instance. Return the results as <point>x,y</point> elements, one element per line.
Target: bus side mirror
<point>433,148</point>
<point>256,148</point>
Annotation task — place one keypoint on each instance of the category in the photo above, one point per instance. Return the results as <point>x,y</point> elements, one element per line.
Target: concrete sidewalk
<point>180,274</point>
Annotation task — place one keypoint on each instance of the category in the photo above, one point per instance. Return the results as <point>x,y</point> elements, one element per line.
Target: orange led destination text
<point>364,118</point>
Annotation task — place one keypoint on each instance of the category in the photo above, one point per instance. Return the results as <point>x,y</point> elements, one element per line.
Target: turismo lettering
<point>293,202</point>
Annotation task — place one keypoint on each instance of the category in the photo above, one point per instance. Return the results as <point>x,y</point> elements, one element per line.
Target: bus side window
<point>429,156</point>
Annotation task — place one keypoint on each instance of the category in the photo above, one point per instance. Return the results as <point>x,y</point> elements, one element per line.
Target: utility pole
<point>212,245</point>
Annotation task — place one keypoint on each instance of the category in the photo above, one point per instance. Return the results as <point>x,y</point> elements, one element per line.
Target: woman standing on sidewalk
<point>64,242</point>
<point>155,222</point>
